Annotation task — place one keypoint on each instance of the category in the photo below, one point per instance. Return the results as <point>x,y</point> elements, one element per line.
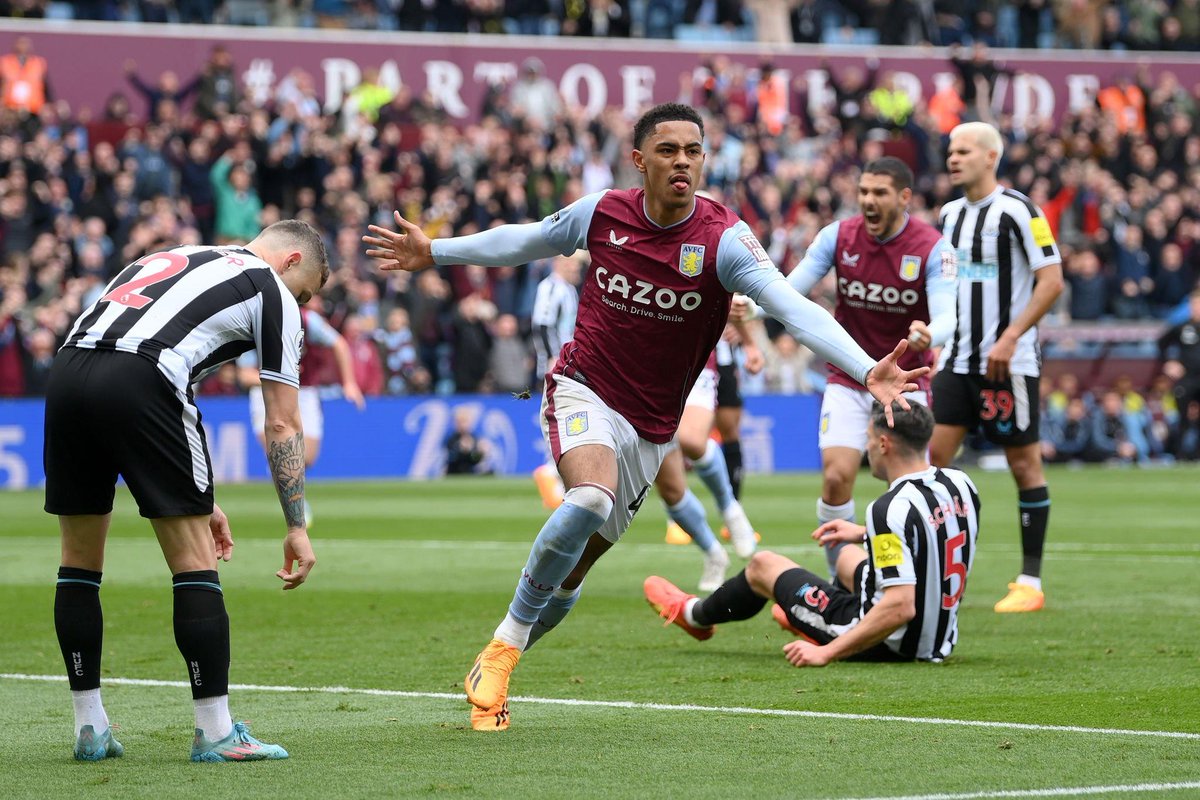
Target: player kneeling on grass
<point>896,598</point>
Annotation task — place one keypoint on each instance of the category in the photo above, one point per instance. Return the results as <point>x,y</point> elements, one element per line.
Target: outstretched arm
<point>744,266</point>
<point>409,249</point>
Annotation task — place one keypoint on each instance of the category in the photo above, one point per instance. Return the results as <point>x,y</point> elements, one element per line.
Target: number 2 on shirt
<point>127,293</point>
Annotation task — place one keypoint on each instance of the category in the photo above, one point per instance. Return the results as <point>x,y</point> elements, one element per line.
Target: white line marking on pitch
<point>767,712</point>
<point>1057,792</point>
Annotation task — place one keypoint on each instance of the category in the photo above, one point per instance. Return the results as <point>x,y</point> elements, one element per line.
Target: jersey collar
<point>646,215</point>
<point>921,476</point>
<point>983,201</point>
<point>907,217</point>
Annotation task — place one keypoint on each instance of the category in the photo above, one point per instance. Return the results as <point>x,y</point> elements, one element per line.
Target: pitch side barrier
<point>404,437</point>
<point>456,69</point>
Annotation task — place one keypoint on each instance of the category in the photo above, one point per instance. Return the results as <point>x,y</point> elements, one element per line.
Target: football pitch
<point>358,673</point>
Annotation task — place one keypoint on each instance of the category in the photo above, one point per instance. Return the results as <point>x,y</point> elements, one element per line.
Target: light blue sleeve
<point>561,233</point>
<point>505,246</point>
<point>742,263</point>
<point>817,261</point>
<point>319,332</point>
<point>815,328</point>
<point>941,291</point>
<point>566,230</point>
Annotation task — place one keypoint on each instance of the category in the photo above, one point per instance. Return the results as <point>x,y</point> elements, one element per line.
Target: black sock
<point>1034,507</point>
<point>202,631</point>
<point>79,622</point>
<point>733,462</point>
<point>733,600</point>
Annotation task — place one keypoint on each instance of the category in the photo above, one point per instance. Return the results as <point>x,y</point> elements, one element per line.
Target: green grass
<point>413,577</point>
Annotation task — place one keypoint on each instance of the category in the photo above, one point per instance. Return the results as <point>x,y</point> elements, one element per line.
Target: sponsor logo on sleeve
<point>691,259</point>
<point>756,249</point>
<point>1042,236</point>
<point>299,347</point>
<point>910,267</point>
<point>577,423</point>
<point>555,217</point>
<point>949,263</point>
<point>887,550</point>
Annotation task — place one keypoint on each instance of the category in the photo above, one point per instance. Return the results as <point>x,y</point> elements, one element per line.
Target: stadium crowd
<point>195,158</point>
<point>1104,24</point>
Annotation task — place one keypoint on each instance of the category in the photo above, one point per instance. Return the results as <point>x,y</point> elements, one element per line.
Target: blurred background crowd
<point>1096,24</point>
<point>191,158</point>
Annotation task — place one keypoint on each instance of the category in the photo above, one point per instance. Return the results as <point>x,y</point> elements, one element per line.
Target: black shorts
<point>729,393</point>
<point>1007,411</point>
<point>110,413</point>
<point>824,610</point>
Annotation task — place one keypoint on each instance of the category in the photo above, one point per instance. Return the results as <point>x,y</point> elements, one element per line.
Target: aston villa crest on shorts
<point>691,259</point>
<point>910,267</point>
<point>577,423</point>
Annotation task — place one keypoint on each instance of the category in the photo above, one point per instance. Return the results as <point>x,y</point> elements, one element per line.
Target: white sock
<point>1029,580</point>
<point>687,613</point>
<point>212,717</point>
<point>89,711</point>
<point>512,631</point>
<point>828,513</point>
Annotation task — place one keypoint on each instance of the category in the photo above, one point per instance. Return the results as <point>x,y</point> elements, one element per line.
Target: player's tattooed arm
<point>286,459</point>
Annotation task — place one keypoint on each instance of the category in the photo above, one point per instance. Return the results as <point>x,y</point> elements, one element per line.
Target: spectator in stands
<point>787,368</point>
<point>397,352</point>
<point>364,354</point>
<point>12,344</point>
<point>464,452</point>
<point>772,20</point>
<point>1173,281</point>
<point>237,204</point>
<point>1179,347</point>
<point>510,364</point>
<point>607,18</point>
<point>1089,288</point>
<point>24,79</point>
<point>1110,439</point>
<point>1068,438</point>
<point>535,98</point>
<point>219,90</point>
<point>167,90</point>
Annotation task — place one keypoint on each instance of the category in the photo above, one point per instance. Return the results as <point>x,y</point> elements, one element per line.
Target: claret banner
<point>86,65</point>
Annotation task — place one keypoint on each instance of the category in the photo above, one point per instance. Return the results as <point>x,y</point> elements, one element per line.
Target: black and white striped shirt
<point>1000,242</point>
<point>554,310</point>
<point>191,309</point>
<point>923,532</point>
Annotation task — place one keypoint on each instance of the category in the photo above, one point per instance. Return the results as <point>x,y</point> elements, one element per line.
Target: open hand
<point>887,383</point>
<point>409,249</point>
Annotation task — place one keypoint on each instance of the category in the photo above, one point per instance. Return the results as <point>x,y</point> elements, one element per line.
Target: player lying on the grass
<point>119,403</point>
<point>896,596</point>
<point>894,272</point>
<point>654,304</point>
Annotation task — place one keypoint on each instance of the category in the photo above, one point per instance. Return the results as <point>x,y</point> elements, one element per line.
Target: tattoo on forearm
<point>287,469</point>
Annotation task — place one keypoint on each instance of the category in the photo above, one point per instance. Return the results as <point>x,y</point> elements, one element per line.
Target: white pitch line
<point>1066,791</point>
<point>629,704</point>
